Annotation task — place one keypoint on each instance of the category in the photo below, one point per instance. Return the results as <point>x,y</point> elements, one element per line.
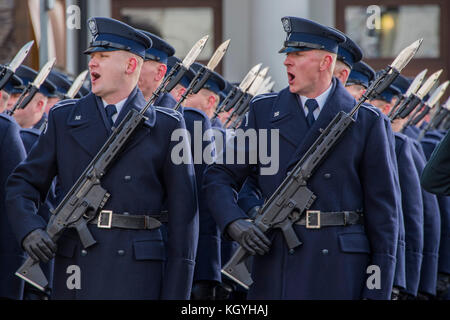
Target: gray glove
<point>39,246</point>
<point>249,236</point>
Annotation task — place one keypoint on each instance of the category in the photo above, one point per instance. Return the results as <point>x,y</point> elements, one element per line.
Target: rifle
<point>436,118</point>
<point>293,198</point>
<point>204,73</point>
<point>236,92</point>
<point>414,99</point>
<point>32,88</point>
<point>245,106</point>
<point>412,90</point>
<point>244,100</point>
<point>426,106</point>
<point>86,197</point>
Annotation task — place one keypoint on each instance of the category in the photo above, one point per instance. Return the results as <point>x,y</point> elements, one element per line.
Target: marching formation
<point>163,180</point>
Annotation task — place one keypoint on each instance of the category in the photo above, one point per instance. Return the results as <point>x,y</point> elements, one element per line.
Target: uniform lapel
<point>288,118</point>
<point>86,125</point>
<point>338,99</point>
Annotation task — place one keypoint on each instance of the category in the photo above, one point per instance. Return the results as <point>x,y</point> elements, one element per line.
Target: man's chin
<point>96,90</point>
<point>292,89</point>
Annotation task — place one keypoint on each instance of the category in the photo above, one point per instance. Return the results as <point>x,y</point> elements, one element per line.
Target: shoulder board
<point>64,103</point>
<point>263,96</point>
<point>371,108</point>
<point>32,131</point>
<point>170,112</point>
<point>428,140</point>
<point>400,136</point>
<point>7,118</point>
<point>194,110</point>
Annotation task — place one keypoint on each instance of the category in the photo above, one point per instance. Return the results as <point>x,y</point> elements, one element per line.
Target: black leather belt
<point>315,219</point>
<point>107,219</point>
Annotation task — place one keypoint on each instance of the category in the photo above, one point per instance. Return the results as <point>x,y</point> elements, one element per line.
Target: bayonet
<point>415,85</point>
<point>412,89</point>
<point>437,94</point>
<point>8,70</point>
<point>263,88</point>
<point>194,52</point>
<point>218,55</point>
<point>76,85</point>
<point>42,75</point>
<point>406,55</point>
<point>243,102</point>
<point>20,56</point>
<point>250,77</point>
<point>178,71</point>
<point>426,106</point>
<point>428,85</point>
<point>258,81</point>
<point>415,99</point>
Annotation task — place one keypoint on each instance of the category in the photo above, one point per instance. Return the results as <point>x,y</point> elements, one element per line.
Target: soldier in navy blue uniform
<point>130,260</point>
<point>359,79</point>
<point>34,115</point>
<point>435,210</point>
<point>348,54</point>
<point>433,179</point>
<point>154,70</point>
<point>207,268</point>
<point>432,206</point>
<point>12,255</point>
<point>429,144</point>
<point>411,243</point>
<point>357,176</point>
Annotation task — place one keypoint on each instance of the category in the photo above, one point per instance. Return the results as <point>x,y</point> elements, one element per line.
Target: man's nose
<point>92,62</point>
<point>287,60</point>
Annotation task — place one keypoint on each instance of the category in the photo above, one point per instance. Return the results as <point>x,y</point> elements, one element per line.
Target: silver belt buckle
<point>100,219</point>
<point>310,225</point>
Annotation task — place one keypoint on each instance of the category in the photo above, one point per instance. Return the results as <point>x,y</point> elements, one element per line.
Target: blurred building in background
<point>381,27</point>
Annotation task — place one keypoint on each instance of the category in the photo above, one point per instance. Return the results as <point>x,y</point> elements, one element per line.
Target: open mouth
<point>95,76</point>
<point>291,77</point>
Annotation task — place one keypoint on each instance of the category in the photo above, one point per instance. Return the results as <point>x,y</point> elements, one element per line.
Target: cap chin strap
<point>355,82</point>
<point>108,44</point>
<point>149,56</point>
<point>301,44</point>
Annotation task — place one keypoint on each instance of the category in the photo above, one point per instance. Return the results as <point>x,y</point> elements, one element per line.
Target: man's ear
<point>40,106</point>
<point>211,101</point>
<point>326,62</point>
<point>132,65</point>
<point>343,75</point>
<point>386,108</point>
<point>162,69</point>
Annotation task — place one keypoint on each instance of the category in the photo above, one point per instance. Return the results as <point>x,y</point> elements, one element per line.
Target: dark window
<point>384,27</point>
<point>181,23</point>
